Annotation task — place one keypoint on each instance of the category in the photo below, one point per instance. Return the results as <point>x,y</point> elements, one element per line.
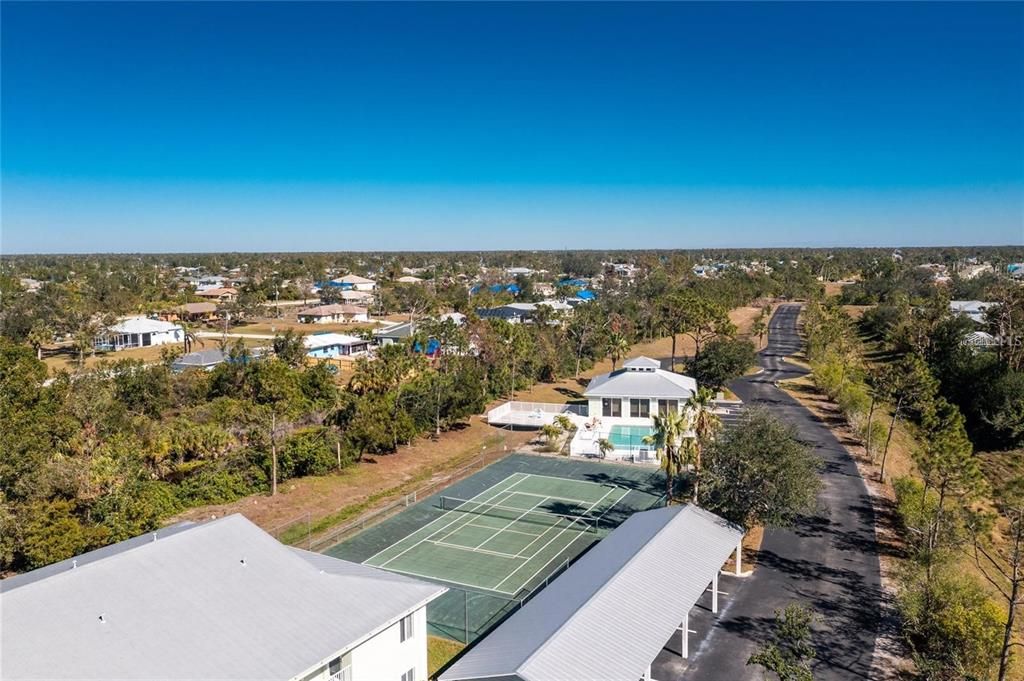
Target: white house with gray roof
<point>218,600</point>
<point>621,406</point>
<point>620,410</point>
<point>611,614</point>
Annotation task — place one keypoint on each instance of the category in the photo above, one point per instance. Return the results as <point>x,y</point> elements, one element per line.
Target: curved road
<point>828,562</point>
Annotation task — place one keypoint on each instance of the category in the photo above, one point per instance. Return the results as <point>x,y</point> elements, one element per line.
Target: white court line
<point>578,482</point>
<point>546,545</point>
<point>440,529</point>
<point>528,534</point>
<point>571,523</point>
<point>512,522</point>
<point>475,587</point>
<point>506,497</point>
<point>474,550</point>
<point>532,494</point>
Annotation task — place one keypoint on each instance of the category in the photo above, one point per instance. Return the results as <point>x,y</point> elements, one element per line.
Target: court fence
<point>303,532</point>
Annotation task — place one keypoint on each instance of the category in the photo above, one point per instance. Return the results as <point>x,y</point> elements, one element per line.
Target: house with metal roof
<point>204,360</point>
<point>333,314</point>
<point>334,345</point>
<point>972,309</point>
<point>218,600</point>
<point>610,615</point>
<point>621,405</point>
<point>138,332</point>
<point>355,282</point>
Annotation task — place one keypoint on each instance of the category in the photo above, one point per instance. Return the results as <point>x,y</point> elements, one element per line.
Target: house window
<point>340,668</point>
<point>639,409</point>
<point>409,675</point>
<point>405,628</point>
<point>611,406</point>
<point>668,406</point>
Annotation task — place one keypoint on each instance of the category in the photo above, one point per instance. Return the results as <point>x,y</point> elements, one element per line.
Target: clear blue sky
<point>326,126</point>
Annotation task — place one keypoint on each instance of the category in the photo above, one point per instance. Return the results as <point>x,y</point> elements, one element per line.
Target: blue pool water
<point>624,437</point>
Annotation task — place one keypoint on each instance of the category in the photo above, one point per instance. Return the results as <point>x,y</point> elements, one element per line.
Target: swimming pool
<point>625,437</point>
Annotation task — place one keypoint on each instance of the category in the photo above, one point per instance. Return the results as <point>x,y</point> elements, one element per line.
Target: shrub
<point>953,629</point>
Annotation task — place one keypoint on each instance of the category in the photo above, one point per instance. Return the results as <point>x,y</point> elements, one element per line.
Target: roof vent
<point>242,562</point>
<point>102,619</point>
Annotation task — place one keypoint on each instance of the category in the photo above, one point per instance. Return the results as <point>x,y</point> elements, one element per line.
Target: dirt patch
<point>318,496</point>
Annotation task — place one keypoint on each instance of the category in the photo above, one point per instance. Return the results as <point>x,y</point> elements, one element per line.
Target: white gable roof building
<point>220,600</point>
<point>609,615</point>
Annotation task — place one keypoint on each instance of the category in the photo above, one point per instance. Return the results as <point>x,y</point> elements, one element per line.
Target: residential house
<point>621,405</point>
<point>217,600</point>
<point>972,309</point>
<point>980,340</point>
<point>356,297</point>
<point>409,279</point>
<point>190,312</point>
<point>335,345</point>
<point>220,294</point>
<point>395,333</point>
<point>518,313</point>
<point>139,332</point>
<point>334,314</point>
<point>356,283</point>
<point>204,360</point>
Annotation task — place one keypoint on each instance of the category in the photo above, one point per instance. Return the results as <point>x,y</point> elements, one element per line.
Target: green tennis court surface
<point>506,536</point>
<point>507,529</point>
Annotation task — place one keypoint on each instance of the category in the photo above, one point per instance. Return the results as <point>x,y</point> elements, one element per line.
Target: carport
<point>609,615</point>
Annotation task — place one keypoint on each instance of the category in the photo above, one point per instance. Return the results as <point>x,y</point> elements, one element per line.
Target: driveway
<point>828,562</point>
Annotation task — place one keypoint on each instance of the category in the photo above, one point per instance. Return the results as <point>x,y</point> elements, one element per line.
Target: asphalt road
<point>828,562</point>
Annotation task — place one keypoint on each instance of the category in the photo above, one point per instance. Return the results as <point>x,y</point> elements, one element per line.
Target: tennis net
<point>548,518</point>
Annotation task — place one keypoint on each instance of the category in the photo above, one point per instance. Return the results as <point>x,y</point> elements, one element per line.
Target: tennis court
<point>508,529</point>
<point>506,536</point>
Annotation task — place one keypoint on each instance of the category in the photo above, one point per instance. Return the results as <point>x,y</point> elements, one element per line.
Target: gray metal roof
<point>608,616</point>
<point>642,380</point>
<point>400,330</point>
<point>201,358</point>
<point>186,606</point>
<point>642,363</point>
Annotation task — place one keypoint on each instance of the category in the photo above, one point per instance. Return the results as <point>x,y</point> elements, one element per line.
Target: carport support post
<point>739,558</point>
<point>685,634</point>
<point>714,594</point>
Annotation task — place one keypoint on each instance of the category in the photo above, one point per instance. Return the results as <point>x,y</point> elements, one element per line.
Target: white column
<point>739,557</point>
<point>647,674</point>
<point>714,593</point>
<point>685,633</point>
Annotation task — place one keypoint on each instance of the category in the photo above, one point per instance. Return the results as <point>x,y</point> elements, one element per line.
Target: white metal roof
<point>607,617</point>
<point>354,279</point>
<point>642,377</point>
<point>186,606</point>
<point>326,340</point>
<point>142,325</point>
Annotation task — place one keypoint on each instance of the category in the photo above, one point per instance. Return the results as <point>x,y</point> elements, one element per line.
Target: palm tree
<point>188,337</point>
<point>669,430</point>
<point>550,431</point>
<point>605,446</point>
<point>38,336</point>
<point>759,328</point>
<point>618,347</point>
<point>705,424</point>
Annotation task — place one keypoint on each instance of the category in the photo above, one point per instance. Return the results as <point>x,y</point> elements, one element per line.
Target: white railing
<point>533,413</point>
